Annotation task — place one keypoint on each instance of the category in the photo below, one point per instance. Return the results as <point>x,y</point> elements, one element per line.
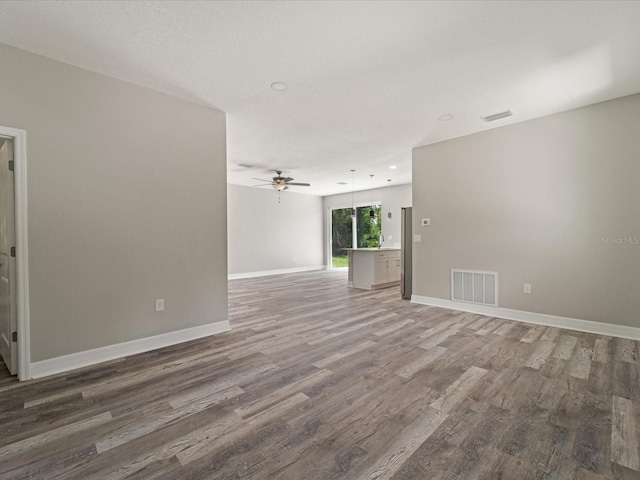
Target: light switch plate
<point>417,238</point>
<point>426,222</point>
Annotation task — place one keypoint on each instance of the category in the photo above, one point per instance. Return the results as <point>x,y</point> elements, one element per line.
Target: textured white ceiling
<point>367,80</point>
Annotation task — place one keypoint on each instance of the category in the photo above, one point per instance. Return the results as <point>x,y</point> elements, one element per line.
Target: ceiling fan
<point>280,183</point>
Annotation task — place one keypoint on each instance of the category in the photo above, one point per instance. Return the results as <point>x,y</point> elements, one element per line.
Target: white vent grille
<point>474,287</point>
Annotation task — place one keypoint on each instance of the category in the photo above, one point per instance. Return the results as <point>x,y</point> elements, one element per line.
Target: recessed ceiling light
<point>445,118</point>
<point>279,86</point>
<point>393,167</point>
<point>497,116</point>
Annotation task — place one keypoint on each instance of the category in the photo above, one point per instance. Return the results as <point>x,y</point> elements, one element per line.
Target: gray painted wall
<point>127,203</point>
<point>391,199</point>
<point>536,202</point>
<point>267,235</point>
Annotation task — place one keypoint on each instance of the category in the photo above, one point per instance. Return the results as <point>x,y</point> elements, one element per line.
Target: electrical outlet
<point>159,304</point>
<point>527,288</point>
<point>417,238</point>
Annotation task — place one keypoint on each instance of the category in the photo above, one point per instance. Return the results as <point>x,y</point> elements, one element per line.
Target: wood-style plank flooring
<point>318,381</point>
<point>5,377</point>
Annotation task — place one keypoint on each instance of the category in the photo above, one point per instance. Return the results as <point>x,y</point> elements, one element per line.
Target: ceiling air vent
<point>497,116</point>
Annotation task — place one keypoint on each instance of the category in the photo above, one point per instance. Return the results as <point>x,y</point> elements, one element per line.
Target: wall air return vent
<point>497,116</point>
<point>472,286</point>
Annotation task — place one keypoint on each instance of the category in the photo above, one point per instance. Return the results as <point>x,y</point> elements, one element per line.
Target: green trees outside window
<point>341,236</point>
<point>367,231</point>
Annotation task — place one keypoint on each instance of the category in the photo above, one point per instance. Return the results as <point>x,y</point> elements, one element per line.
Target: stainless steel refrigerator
<point>406,254</point>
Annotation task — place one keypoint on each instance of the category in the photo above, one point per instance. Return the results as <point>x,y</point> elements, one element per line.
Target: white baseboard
<point>73,361</point>
<point>264,273</point>
<point>587,326</point>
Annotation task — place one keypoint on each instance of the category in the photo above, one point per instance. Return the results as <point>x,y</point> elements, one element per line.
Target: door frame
<point>22,258</point>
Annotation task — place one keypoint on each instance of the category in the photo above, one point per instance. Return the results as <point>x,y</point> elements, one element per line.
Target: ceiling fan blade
<point>261,179</point>
<point>285,188</point>
<point>288,179</point>
<point>300,184</point>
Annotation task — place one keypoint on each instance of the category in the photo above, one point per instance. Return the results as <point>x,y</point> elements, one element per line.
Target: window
<point>363,231</point>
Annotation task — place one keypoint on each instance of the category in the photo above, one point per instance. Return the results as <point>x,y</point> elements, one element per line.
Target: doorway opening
<point>361,231</point>
<point>14,282</point>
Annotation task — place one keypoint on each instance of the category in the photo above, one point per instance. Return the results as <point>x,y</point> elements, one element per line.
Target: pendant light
<point>353,206</point>
<point>372,214</point>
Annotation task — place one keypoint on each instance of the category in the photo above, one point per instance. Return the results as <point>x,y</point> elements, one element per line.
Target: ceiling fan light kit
<point>279,182</point>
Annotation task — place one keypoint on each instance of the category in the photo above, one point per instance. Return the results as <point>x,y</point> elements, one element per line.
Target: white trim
<point>22,257</point>
<point>587,326</point>
<point>264,273</point>
<point>329,244</point>
<point>72,361</point>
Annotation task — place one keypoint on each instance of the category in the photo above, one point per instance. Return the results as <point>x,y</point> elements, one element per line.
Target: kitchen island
<point>373,268</point>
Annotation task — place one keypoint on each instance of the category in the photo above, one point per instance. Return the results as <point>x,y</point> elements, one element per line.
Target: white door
<point>8,318</point>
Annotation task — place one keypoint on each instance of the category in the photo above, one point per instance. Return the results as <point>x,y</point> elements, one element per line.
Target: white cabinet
<point>394,270</point>
<point>386,270</point>
<point>372,268</point>
<point>380,271</point>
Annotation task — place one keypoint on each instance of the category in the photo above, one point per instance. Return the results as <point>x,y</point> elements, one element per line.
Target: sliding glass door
<point>363,231</point>
<point>341,236</point>
<point>368,227</point>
